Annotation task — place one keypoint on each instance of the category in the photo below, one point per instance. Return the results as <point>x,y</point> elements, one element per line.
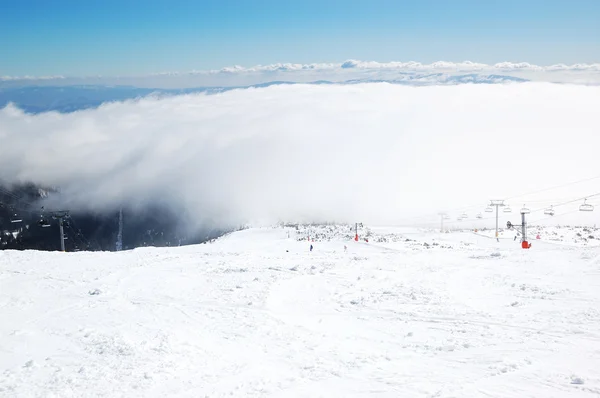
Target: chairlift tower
<point>524,243</point>
<point>119,245</point>
<point>442,218</point>
<point>497,204</point>
<point>59,215</point>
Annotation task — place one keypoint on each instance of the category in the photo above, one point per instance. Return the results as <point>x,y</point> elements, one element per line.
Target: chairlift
<point>44,223</point>
<point>446,217</point>
<point>549,211</point>
<point>507,209</point>
<point>479,215</point>
<point>525,210</point>
<point>586,207</point>
<point>489,209</point>
<point>464,215</point>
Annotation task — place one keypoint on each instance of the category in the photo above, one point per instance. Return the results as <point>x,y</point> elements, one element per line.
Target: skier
<point>311,247</point>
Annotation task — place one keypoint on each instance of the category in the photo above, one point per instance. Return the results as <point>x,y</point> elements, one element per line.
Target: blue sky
<point>127,37</point>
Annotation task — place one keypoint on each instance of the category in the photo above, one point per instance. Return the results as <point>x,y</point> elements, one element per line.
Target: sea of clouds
<point>375,152</point>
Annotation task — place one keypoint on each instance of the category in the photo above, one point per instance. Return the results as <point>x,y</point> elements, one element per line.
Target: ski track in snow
<point>256,314</point>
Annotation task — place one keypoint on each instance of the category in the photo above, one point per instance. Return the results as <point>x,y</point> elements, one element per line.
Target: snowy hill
<point>411,313</point>
<point>580,236</point>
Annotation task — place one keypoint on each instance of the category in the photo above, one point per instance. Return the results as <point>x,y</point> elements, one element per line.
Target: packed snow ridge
<point>400,313</point>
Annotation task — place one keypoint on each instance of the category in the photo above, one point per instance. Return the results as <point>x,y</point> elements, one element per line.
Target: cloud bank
<point>376,153</point>
<point>335,72</point>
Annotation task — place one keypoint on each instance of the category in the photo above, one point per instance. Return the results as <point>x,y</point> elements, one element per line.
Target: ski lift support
<point>59,215</point>
<point>497,204</point>
<point>524,243</point>
<point>443,216</point>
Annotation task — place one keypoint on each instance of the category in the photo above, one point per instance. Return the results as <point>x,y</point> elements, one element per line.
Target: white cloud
<point>509,66</point>
<point>337,72</point>
<point>28,78</point>
<point>574,67</point>
<point>376,153</point>
<point>408,66</point>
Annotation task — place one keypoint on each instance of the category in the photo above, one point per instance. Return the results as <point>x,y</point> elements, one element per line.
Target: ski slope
<point>409,314</point>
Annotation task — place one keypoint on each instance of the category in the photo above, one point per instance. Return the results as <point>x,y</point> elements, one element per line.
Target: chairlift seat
<point>586,206</point>
<point>44,223</point>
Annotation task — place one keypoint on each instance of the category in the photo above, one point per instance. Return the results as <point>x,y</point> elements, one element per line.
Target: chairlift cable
<point>554,187</point>
<point>14,196</point>
<point>570,201</point>
<point>553,217</point>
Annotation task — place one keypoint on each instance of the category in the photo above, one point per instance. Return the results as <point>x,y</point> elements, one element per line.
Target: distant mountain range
<point>65,99</point>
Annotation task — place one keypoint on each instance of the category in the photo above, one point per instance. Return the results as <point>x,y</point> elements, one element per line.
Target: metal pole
<point>62,234</point>
<point>120,234</point>
<point>442,215</point>
<point>497,204</point>
<point>497,220</point>
<point>524,227</point>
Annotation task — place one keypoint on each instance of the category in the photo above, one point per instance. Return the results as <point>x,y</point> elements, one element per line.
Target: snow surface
<point>409,314</point>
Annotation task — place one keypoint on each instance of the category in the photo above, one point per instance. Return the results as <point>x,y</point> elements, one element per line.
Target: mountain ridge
<point>67,99</point>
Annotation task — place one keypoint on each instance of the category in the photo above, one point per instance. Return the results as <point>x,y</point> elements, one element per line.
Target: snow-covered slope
<point>409,314</point>
<point>580,236</point>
